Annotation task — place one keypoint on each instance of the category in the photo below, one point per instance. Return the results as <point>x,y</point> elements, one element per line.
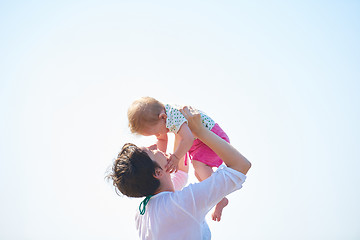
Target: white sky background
<point>281,78</point>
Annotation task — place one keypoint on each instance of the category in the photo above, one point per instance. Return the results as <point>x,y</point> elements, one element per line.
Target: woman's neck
<point>165,186</point>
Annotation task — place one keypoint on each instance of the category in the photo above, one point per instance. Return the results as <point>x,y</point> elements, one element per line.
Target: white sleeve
<point>197,199</point>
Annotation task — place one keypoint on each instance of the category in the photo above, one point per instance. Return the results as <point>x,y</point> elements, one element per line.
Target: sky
<point>280,77</point>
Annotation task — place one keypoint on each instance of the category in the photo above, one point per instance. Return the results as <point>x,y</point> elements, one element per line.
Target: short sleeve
<point>174,119</point>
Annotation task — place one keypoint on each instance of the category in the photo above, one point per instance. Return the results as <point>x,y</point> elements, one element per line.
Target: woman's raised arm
<point>231,157</point>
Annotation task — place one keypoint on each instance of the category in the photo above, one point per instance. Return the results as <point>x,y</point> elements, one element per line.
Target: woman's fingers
<point>189,112</point>
<point>185,111</point>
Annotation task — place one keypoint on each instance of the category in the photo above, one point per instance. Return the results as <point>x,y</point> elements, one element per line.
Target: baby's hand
<point>173,163</point>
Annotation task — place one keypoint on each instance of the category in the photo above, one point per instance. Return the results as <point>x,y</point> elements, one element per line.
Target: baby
<point>148,117</point>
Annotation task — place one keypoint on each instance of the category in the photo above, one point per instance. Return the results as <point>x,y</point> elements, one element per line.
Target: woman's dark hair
<point>133,172</point>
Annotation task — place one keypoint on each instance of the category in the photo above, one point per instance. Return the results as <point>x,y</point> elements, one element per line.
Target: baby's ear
<point>162,116</point>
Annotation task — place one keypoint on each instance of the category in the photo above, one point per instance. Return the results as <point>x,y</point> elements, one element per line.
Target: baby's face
<point>157,129</point>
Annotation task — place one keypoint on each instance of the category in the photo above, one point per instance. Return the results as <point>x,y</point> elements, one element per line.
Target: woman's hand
<point>194,120</point>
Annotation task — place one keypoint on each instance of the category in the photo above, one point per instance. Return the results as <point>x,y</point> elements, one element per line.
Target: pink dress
<point>199,151</point>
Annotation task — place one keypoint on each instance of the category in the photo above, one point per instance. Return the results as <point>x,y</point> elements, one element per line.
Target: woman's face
<point>161,159</point>
<point>157,156</point>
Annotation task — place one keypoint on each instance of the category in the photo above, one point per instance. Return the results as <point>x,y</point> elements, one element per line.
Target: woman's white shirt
<point>181,214</point>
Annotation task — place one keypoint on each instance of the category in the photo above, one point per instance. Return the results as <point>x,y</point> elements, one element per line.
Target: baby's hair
<point>133,171</point>
<point>144,112</point>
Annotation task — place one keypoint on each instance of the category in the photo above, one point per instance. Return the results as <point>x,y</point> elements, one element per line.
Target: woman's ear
<point>158,173</point>
<point>162,116</point>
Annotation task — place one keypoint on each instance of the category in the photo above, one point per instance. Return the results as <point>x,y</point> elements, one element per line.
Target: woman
<point>170,214</point>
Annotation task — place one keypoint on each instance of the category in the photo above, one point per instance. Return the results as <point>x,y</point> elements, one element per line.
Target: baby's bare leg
<point>202,172</point>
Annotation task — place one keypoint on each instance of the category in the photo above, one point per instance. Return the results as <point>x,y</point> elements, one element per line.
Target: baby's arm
<point>162,140</point>
<point>181,165</point>
<point>186,141</point>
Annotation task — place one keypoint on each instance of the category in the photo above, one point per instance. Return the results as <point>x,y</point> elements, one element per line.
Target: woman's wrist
<point>200,132</point>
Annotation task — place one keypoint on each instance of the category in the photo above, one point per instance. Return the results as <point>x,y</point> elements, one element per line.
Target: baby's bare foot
<point>216,215</point>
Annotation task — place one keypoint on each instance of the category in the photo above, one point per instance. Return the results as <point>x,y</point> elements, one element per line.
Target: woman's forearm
<point>231,157</point>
